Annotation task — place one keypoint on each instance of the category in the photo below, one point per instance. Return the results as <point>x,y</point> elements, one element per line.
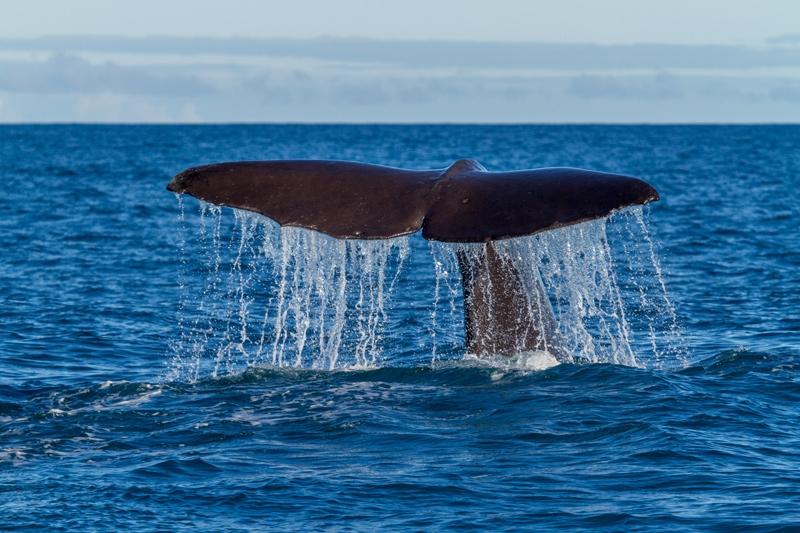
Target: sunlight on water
<point>290,297</point>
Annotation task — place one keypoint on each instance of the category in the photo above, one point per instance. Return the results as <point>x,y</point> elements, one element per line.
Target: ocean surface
<point>125,405</point>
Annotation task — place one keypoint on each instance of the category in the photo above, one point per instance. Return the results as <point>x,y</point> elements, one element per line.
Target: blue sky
<point>413,61</point>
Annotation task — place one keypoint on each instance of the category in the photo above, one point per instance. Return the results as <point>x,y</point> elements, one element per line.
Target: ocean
<point>134,394</point>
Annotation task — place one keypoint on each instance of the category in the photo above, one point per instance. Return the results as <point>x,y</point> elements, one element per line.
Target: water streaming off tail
<point>600,280</point>
<point>283,297</point>
<point>262,295</point>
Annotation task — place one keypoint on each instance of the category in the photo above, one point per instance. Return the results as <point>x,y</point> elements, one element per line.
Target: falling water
<point>284,297</point>
<point>290,297</point>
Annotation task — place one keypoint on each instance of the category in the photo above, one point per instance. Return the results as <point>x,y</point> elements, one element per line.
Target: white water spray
<point>285,297</point>
<point>291,297</point>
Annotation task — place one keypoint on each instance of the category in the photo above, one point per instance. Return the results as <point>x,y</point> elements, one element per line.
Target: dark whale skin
<point>462,203</point>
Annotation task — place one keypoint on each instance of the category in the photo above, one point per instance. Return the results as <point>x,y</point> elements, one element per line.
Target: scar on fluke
<point>464,203</point>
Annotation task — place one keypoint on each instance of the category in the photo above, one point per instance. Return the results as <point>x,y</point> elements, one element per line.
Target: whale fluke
<point>462,203</point>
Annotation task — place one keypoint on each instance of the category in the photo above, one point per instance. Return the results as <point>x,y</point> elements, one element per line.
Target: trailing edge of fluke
<point>462,203</point>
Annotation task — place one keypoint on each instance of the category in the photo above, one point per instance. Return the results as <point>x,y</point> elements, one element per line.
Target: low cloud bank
<point>169,79</point>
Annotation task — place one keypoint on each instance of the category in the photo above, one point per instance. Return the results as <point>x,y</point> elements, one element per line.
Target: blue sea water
<point>96,434</point>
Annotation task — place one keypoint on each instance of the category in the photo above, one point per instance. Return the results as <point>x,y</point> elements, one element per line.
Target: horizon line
<point>394,123</point>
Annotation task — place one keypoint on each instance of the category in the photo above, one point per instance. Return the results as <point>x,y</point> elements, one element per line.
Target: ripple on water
<point>94,262</point>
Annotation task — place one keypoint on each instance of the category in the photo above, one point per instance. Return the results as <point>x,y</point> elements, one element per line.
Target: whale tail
<point>462,203</point>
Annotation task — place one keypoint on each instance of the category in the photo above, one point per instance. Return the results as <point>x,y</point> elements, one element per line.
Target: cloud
<point>435,54</point>
<point>658,87</point>
<point>788,38</point>
<point>786,93</point>
<point>369,80</point>
<point>67,73</point>
<point>119,108</point>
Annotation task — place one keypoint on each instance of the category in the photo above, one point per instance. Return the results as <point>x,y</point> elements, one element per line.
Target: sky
<point>561,61</point>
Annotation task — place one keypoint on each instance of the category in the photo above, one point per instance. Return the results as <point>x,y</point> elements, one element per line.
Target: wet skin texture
<point>462,203</point>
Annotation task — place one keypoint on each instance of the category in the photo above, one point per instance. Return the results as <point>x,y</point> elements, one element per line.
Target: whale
<point>463,203</point>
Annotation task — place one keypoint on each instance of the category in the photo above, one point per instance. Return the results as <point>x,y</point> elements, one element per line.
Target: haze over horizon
<point>464,62</point>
